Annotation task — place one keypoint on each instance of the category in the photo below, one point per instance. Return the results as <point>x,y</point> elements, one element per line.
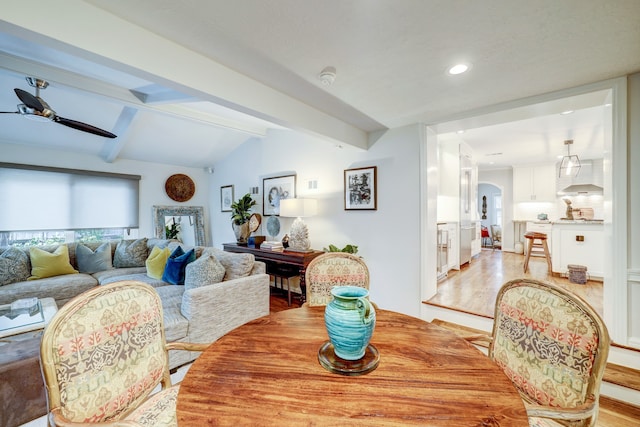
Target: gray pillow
<point>206,270</point>
<point>130,253</point>
<point>14,266</point>
<point>91,262</point>
<point>236,265</point>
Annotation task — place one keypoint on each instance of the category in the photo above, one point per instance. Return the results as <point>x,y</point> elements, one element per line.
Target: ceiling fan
<point>36,108</point>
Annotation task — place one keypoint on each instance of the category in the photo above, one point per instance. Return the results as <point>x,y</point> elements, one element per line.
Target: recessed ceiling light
<point>566,112</point>
<point>461,131</point>
<point>458,69</point>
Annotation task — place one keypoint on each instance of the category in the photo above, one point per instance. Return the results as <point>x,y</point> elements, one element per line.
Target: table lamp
<point>299,234</point>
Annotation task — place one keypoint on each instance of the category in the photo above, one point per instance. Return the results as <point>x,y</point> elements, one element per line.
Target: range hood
<point>582,189</point>
<point>588,181</point>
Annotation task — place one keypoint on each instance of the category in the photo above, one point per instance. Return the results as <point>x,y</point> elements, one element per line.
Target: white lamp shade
<point>298,208</point>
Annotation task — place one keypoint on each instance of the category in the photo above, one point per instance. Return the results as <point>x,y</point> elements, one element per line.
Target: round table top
<point>267,373</point>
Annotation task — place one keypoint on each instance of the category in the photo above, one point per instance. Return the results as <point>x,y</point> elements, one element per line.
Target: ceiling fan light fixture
<point>37,83</point>
<point>33,114</point>
<point>570,164</point>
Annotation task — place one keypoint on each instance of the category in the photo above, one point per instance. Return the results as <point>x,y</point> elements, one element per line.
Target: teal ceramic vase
<point>350,319</point>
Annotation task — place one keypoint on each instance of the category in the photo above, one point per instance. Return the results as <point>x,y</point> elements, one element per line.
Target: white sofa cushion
<point>176,326</point>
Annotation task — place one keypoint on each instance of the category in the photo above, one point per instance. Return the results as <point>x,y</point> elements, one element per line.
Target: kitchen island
<point>578,242</point>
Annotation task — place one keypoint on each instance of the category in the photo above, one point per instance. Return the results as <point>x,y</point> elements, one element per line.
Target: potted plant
<point>350,249</point>
<point>240,217</point>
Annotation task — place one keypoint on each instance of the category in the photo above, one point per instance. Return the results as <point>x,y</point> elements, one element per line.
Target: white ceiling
<point>261,58</point>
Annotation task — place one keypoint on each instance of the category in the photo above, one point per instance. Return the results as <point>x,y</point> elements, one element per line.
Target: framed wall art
<point>226,198</point>
<point>275,189</point>
<point>361,189</point>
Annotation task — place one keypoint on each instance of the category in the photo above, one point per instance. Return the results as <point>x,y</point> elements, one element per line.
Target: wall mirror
<point>186,221</point>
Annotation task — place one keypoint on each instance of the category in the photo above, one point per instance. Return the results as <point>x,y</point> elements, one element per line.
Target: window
<point>42,204</point>
<point>497,205</point>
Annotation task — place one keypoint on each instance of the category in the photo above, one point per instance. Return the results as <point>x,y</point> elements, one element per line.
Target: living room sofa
<point>198,312</point>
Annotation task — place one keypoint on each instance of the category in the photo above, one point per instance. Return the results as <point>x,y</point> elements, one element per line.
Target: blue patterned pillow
<point>174,271</point>
<point>131,253</point>
<point>14,266</point>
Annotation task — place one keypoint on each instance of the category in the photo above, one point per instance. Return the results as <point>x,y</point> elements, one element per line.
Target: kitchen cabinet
<point>534,183</point>
<point>581,244</point>
<point>542,227</point>
<point>476,242</point>
<point>454,257</point>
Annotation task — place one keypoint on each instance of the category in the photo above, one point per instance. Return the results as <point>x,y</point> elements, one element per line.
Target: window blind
<point>42,198</point>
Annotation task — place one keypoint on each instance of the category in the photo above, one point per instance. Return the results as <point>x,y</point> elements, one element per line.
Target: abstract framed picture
<point>226,198</point>
<point>275,189</point>
<point>361,189</point>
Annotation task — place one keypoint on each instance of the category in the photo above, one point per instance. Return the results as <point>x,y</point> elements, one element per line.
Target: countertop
<point>562,221</point>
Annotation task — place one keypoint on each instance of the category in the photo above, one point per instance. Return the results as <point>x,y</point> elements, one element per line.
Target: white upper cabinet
<point>534,183</point>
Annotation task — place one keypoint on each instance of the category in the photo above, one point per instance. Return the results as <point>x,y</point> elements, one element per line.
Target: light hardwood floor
<point>474,288</point>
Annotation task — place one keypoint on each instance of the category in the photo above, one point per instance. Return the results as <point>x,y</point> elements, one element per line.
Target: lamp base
<point>299,236</point>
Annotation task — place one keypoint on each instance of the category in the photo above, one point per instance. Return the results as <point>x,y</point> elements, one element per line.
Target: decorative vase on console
<point>240,214</point>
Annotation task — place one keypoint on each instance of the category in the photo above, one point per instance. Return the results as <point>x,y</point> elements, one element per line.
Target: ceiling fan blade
<point>9,112</point>
<point>83,127</point>
<point>29,100</point>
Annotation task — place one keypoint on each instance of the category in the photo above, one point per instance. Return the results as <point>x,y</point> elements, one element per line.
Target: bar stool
<point>536,241</point>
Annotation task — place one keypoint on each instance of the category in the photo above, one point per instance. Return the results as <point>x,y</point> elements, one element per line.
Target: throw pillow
<point>14,266</point>
<point>236,265</point>
<point>157,261</point>
<point>130,253</point>
<point>206,270</point>
<point>47,264</point>
<point>174,270</point>
<point>91,262</point>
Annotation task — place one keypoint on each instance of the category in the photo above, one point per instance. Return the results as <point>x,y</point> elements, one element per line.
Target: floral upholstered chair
<point>103,354</point>
<point>553,346</point>
<point>333,269</point>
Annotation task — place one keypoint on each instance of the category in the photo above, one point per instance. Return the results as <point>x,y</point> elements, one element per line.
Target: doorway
<point>490,202</point>
<point>615,293</point>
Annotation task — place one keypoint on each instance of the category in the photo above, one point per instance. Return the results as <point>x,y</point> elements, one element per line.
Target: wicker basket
<point>578,274</point>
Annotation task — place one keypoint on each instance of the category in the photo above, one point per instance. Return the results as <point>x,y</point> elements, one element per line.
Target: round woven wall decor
<point>180,187</point>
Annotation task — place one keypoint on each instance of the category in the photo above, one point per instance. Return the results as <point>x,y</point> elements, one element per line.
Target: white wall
<point>388,238</point>
<point>633,192</point>
<point>153,175</point>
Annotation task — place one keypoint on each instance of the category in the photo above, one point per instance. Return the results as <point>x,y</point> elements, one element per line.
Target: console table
<point>297,259</point>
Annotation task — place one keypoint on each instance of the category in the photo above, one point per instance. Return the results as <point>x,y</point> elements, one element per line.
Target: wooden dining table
<point>267,372</point>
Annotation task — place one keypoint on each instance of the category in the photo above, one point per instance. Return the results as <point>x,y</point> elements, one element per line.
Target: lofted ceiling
<point>186,84</point>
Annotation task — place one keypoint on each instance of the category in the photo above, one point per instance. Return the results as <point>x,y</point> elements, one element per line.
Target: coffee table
<point>17,321</point>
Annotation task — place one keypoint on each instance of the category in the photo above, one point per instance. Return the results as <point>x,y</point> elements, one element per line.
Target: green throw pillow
<point>90,262</point>
<point>157,261</point>
<point>47,264</point>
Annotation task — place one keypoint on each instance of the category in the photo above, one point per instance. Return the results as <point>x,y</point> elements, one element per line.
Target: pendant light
<point>570,165</point>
